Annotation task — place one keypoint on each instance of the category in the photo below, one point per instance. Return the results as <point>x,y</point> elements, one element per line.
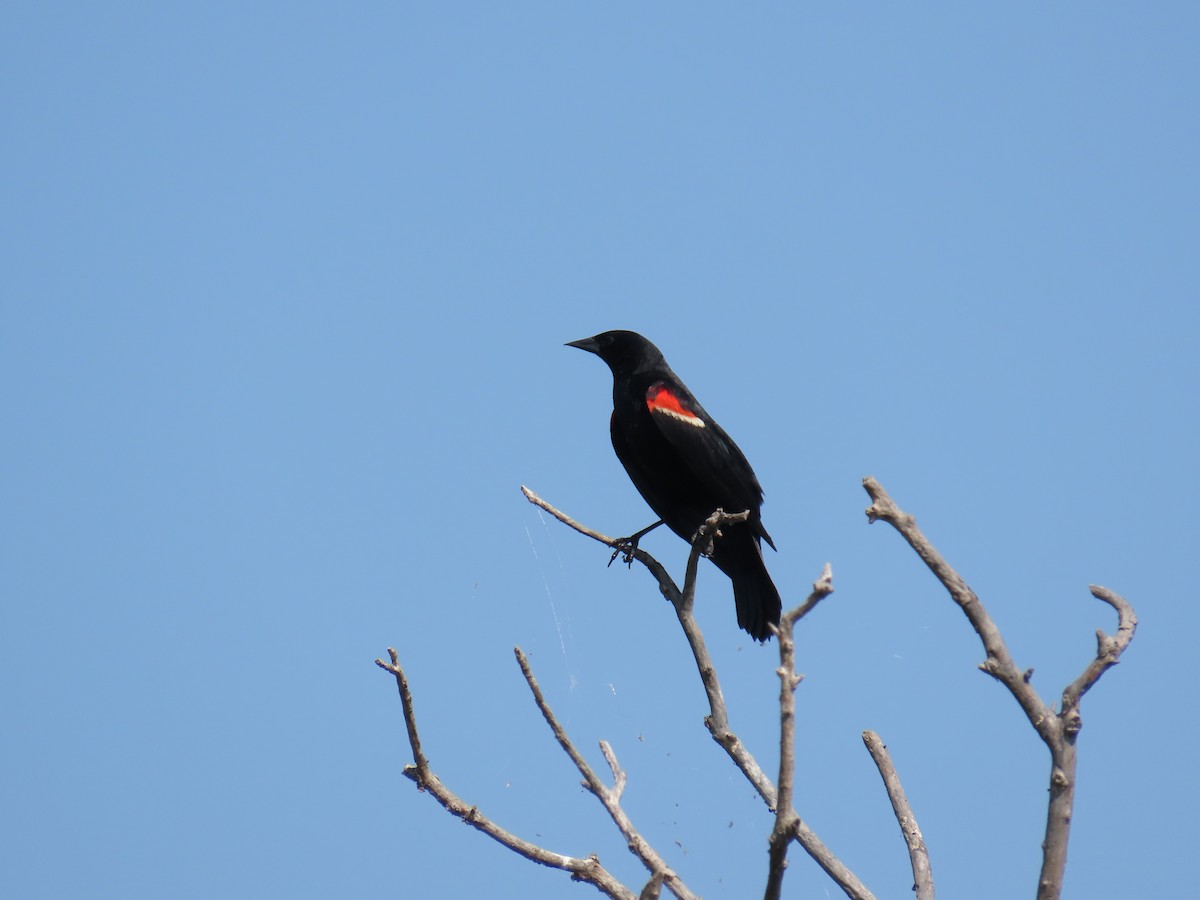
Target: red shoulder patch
<point>662,400</point>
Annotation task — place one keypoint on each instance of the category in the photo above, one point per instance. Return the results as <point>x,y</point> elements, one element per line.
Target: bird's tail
<point>754,593</point>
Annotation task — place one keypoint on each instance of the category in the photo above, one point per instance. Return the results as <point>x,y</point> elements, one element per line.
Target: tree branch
<point>717,721</point>
<point>917,853</point>
<point>1064,753</point>
<point>786,817</point>
<point>586,869</point>
<point>999,662</point>
<point>1108,649</point>
<point>665,583</point>
<point>653,888</point>
<point>609,798</point>
<point>1057,730</point>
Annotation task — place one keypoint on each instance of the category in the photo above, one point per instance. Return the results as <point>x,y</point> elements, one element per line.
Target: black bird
<point>685,466</point>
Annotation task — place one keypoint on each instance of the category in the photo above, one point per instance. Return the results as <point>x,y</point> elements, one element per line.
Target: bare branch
<point>665,582</point>
<point>781,838</point>
<point>587,869</point>
<point>702,545</point>
<point>717,721</point>
<point>786,817</point>
<point>1057,730</point>
<point>999,663</point>
<point>619,777</point>
<point>1108,649</point>
<point>915,841</point>
<point>1064,753</point>
<point>653,888</point>
<point>821,589</point>
<point>681,600</point>
<point>410,718</point>
<point>610,799</point>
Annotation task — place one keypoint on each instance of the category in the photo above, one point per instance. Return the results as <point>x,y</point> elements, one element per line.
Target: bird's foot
<point>628,545</point>
<point>625,547</point>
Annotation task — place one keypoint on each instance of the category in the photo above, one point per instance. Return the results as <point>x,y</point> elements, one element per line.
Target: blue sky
<point>284,298</point>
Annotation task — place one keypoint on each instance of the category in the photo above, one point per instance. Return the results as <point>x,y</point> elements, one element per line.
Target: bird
<point>685,467</point>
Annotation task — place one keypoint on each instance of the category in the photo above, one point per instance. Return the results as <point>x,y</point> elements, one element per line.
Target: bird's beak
<point>588,344</point>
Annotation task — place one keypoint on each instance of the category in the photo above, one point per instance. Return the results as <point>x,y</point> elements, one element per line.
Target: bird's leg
<point>628,545</point>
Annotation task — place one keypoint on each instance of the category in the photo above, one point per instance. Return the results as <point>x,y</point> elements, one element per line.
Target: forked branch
<point>610,798</point>
<point>717,721</point>
<point>1057,730</point>
<point>586,869</point>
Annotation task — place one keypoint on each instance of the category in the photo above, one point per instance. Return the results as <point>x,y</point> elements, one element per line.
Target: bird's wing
<point>706,448</point>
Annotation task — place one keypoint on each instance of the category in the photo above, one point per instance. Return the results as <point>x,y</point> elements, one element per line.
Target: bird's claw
<point>626,546</point>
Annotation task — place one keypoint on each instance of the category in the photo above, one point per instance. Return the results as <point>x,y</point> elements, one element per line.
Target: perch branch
<point>655,567</point>
<point>717,721</point>
<point>917,853</point>
<point>587,869</point>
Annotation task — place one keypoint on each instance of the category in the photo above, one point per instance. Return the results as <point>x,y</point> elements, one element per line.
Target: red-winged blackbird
<point>686,466</point>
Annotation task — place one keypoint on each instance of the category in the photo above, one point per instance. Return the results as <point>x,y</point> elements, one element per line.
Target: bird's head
<point>624,351</point>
